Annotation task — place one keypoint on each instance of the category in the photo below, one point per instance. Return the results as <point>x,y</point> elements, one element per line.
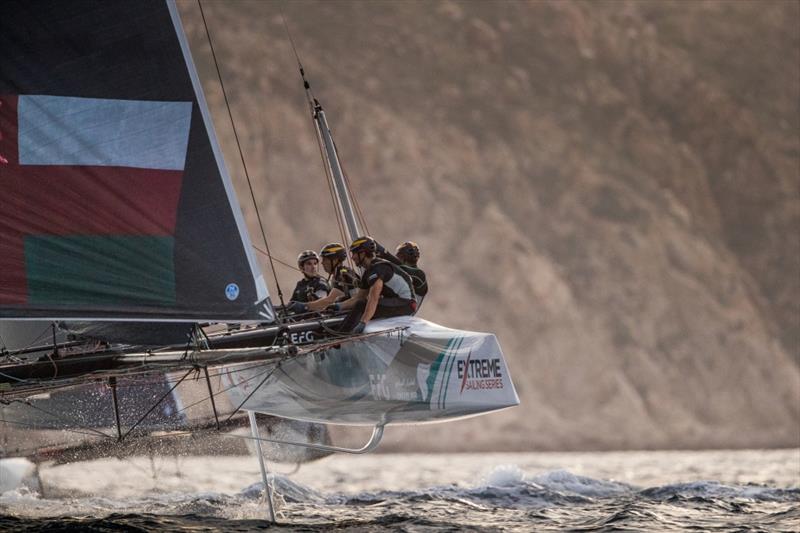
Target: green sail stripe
<point>455,357</point>
<point>431,381</point>
<point>95,269</point>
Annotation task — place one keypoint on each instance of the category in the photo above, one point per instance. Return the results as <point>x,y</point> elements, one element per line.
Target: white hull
<point>428,373</point>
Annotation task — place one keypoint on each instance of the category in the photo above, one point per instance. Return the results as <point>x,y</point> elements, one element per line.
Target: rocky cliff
<point>611,187</point>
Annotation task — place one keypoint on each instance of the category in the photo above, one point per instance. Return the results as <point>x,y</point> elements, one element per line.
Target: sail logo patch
<point>232,291</point>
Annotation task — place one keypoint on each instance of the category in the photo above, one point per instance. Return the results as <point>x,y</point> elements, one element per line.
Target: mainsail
<point>116,203</point>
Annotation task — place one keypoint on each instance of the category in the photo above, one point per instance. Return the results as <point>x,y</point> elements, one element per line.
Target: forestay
<point>116,203</point>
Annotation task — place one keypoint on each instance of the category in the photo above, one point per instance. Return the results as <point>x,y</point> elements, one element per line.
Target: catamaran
<point>123,244</point>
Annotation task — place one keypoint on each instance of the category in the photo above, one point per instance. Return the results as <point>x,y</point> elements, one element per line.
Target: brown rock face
<point>611,187</point>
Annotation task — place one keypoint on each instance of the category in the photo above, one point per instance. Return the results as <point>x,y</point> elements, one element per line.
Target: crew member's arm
<point>318,295</point>
<point>322,303</point>
<point>350,302</point>
<point>318,289</point>
<point>372,300</point>
<point>383,253</point>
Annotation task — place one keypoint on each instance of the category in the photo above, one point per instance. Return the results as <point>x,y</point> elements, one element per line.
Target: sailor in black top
<point>407,256</point>
<point>386,289</point>
<point>345,282</point>
<point>312,287</point>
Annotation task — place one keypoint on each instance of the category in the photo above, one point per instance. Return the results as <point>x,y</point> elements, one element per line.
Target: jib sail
<point>115,201</point>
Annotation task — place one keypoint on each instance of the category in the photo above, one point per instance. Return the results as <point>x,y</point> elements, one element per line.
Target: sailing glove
<point>359,328</point>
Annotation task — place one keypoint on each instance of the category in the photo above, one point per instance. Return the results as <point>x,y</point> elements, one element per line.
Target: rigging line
<point>311,102</point>
<point>350,190</point>
<point>204,336</point>
<point>10,358</point>
<point>158,369</point>
<point>277,366</point>
<point>43,387</point>
<point>55,366</point>
<point>289,34</point>
<point>15,378</point>
<point>329,179</point>
<point>226,389</point>
<point>35,427</point>
<point>220,360</point>
<point>326,166</point>
<point>284,263</point>
<point>171,380</point>
<point>156,405</point>
<point>241,155</point>
<point>296,55</point>
<point>34,341</point>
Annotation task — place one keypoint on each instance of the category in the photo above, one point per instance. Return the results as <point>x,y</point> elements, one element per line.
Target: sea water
<point>753,490</point>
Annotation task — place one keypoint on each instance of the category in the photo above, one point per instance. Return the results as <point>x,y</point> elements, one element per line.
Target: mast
<point>333,168</point>
<point>330,156</point>
<point>343,197</point>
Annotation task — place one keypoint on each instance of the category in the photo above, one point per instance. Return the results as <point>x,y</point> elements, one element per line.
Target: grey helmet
<point>305,256</point>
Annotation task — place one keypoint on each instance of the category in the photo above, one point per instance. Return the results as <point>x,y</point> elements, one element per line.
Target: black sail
<point>116,204</point>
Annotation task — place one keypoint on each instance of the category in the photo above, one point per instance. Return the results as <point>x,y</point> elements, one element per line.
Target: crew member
<point>386,290</point>
<point>407,256</point>
<point>312,287</point>
<point>344,281</point>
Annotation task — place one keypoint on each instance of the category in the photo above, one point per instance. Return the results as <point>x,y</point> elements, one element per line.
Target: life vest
<point>399,286</point>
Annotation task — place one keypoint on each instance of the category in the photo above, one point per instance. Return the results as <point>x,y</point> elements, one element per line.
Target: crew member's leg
<point>353,317</point>
<point>389,311</point>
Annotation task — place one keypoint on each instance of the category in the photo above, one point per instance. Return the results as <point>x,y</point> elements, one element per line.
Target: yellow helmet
<point>333,250</point>
<point>363,244</point>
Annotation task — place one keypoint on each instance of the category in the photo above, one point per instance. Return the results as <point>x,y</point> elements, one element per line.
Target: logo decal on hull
<point>464,379</point>
<point>480,374</point>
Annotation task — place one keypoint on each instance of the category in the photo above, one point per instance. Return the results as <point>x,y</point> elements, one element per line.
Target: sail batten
<point>116,203</point>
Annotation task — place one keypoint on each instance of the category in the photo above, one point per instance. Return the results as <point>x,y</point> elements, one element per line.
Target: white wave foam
<point>505,476</point>
<point>16,473</point>
<point>564,481</point>
<point>289,490</point>
<point>19,496</point>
